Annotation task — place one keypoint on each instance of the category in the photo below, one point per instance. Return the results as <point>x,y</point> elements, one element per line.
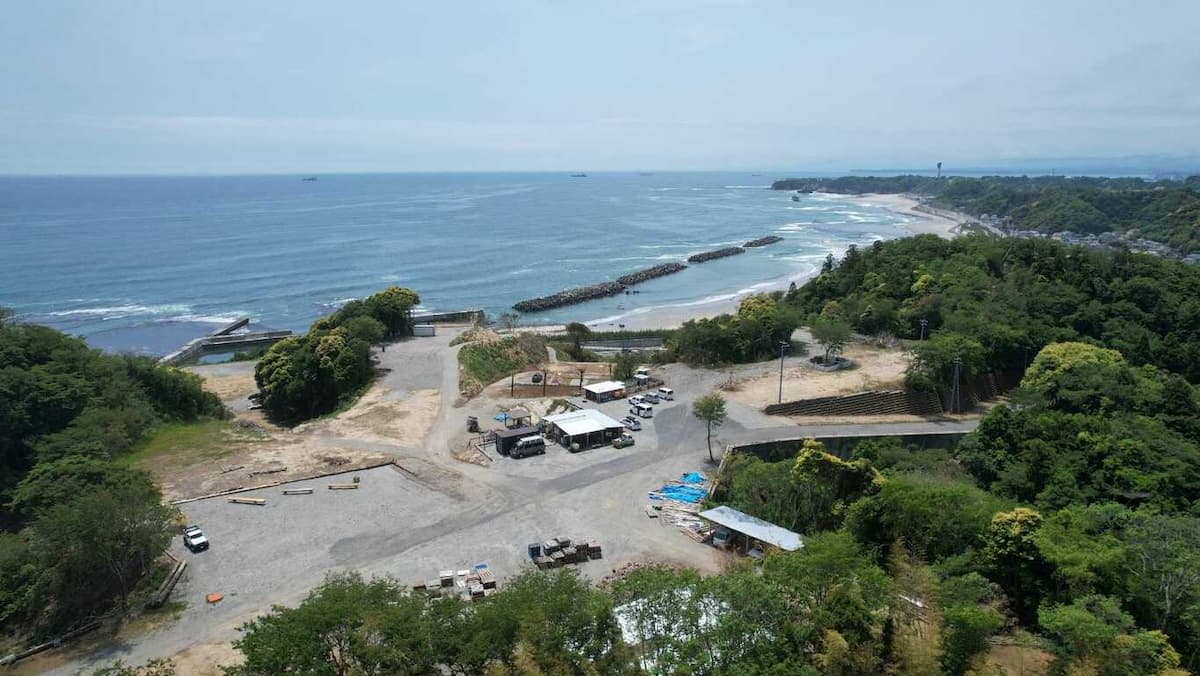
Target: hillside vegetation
<point>996,302</point>
<point>1162,211</point>
<point>79,529</point>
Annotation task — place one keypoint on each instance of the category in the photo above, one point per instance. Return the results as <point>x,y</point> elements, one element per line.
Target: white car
<point>650,398</point>
<point>637,400</point>
<point>632,423</point>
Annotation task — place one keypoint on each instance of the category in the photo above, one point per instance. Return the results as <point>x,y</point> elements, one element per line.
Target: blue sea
<point>143,264</point>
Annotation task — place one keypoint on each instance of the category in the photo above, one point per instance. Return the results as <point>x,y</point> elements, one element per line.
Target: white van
<point>666,393</point>
<point>642,410</point>
<point>526,446</point>
<point>650,397</point>
<point>642,371</point>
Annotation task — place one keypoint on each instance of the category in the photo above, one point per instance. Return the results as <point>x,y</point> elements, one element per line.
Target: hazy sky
<point>243,86</point>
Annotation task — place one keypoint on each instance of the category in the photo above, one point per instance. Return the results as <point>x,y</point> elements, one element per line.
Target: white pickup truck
<point>194,539</point>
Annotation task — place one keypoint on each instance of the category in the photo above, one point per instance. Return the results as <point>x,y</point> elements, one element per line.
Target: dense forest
<point>995,303</point>
<point>78,528</point>
<point>1163,211</point>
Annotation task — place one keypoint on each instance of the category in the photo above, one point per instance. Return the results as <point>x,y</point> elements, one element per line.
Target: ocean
<point>143,264</point>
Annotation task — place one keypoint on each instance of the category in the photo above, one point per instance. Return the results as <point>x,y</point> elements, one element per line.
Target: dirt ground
<point>379,417</point>
<point>874,369</point>
<point>251,444</point>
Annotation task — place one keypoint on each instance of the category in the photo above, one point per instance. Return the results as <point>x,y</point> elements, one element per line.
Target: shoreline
<point>672,317</point>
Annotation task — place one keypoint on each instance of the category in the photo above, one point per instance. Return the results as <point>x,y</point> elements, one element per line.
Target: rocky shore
<point>719,253</point>
<point>762,241</point>
<point>570,297</point>
<point>650,273</point>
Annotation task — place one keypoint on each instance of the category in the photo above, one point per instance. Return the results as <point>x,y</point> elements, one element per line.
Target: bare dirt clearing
<point>377,416</point>
<point>875,369</point>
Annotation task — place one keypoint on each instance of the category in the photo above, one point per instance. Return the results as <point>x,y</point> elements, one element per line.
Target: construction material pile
<point>470,584</point>
<point>560,551</point>
<point>678,503</point>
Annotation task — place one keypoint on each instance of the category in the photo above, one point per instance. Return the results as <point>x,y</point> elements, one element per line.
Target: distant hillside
<point>1163,211</point>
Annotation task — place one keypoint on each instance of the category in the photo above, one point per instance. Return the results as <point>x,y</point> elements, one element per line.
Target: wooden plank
<point>343,487</point>
<point>249,501</point>
<point>297,491</point>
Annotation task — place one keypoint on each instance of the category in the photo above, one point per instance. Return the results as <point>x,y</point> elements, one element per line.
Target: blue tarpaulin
<point>693,478</point>
<point>682,494</point>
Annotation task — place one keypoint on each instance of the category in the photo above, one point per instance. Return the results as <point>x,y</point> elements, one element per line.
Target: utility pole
<point>924,328</point>
<point>783,347</point>
<point>512,384</point>
<point>545,377</point>
<point>957,391</point>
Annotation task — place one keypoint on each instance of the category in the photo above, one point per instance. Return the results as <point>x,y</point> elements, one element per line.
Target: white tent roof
<point>583,421</point>
<point>754,527</point>
<point>605,387</point>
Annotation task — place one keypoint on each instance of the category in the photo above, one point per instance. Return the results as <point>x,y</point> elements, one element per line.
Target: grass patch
<point>189,443</point>
<point>483,363</point>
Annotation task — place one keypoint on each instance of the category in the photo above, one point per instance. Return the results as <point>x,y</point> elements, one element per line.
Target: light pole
<point>784,346</point>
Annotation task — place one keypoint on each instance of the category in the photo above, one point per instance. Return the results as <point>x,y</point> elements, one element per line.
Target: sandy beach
<point>673,317</point>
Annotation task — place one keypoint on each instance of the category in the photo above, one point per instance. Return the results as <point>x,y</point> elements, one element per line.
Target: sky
<point>303,86</point>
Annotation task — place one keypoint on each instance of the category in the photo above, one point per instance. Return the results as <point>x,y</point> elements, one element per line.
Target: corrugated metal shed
<point>583,421</point>
<point>754,527</point>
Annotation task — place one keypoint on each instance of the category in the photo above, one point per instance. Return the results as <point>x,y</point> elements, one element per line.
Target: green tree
<point>364,328</point>
<point>97,546</point>
<point>965,636</point>
<point>624,365</point>
<point>57,482</point>
<point>831,333</point>
<point>711,409</point>
<point>1095,636</point>
<point>830,483</point>
<point>578,333</point>
<point>935,517</point>
<point>393,308</point>
<point>1012,557</point>
<point>346,626</point>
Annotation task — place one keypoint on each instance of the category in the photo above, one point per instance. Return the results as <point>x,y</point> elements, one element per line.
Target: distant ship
<point>578,175</point>
<point>795,198</point>
<point>309,178</point>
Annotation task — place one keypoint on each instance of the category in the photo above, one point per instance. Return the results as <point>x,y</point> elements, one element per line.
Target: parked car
<point>650,398</point>
<point>632,423</point>
<point>536,378</point>
<point>623,441</point>
<point>526,446</point>
<point>636,400</point>
<point>666,393</point>
<point>194,539</point>
<point>642,410</point>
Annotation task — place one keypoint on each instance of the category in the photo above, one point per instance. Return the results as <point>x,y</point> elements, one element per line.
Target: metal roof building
<point>753,527</point>
<point>585,427</point>
<point>605,391</point>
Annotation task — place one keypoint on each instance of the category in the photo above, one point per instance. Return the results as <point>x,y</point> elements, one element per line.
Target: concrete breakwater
<point>719,253</point>
<point>585,293</point>
<point>650,273</point>
<point>570,297</point>
<point>762,241</point>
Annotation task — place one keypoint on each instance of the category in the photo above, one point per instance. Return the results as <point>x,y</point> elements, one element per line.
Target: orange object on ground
<point>213,598</point>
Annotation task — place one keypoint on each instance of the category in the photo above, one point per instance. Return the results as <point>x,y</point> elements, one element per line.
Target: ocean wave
<point>203,319</point>
<point>745,187</point>
<point>120,311</point>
